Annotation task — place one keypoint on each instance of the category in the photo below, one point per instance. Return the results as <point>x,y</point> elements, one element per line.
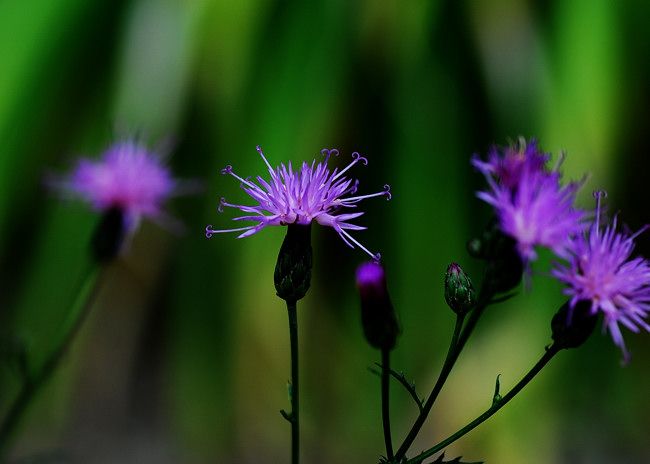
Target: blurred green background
<point>185,358</point>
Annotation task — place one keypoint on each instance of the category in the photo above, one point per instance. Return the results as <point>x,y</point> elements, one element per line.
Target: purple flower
<point>128,177</point>
<point>601,271</point>
<point>311,193</point>
<point>509,167</point>
<point>531,204</point>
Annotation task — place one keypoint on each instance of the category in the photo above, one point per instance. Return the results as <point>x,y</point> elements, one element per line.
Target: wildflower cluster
<point>536,209</point>
<point>533,208</point>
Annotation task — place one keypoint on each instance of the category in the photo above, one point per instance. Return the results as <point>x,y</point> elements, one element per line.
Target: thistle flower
<point>531,204</point>
<point>309,194</point>
<point>127,183</point>
<point>509,167</point>
<point>128,177</point>
<point>601,271</point>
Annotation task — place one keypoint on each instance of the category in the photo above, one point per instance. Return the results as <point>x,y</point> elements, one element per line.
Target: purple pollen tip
<point>600,194</point>
<point>209,231</point>
<point>357,157</point>
<point>226,170</point>
<point>377,258</point>
<point>389,195</point>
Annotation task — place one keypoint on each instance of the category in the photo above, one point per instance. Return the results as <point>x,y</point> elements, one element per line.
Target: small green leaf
<point>497,397</point>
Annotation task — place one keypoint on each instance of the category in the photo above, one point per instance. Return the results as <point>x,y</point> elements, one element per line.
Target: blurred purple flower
<point>600,271</point>
<point>311,193</point>
<point>508,167</point>
<point>531,204</point>
<point>128,177</point>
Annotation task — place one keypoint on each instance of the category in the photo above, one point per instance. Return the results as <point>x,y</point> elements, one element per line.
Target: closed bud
<point>378,317</point>
<point>572,326</point>
<point>292,275</point>
<point>459,291</point>
<point>108,238</point>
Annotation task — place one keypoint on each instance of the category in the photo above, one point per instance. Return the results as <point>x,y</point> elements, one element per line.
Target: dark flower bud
<point>293,269</point>
<point>572,326</point>
<point>377,314</point>
<point>505,268</point>
<point>459,291</point>
<point>504,264</point>
<point>108,238</point>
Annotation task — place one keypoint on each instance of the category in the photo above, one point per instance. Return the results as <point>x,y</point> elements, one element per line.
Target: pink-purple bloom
<point>601,270</point>
<point>127,176</point>
<point>531,204</point>
<point>311,193</point>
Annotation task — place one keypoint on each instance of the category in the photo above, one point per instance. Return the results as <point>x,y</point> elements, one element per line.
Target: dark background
<point>185,357</point>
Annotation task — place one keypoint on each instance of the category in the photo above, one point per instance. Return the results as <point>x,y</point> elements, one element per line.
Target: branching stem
<point>548,355</point>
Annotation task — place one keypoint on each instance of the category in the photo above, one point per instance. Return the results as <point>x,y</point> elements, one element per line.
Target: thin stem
<point>452,355</point>
<point>548,355</point>
<point>455,348</point>
<point>385,401</point>
<point>409,387</point>
<point>34,381</point>
<point>295,423</point>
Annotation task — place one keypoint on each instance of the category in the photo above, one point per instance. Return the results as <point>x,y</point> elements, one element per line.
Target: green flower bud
<point>293,269</point>
<point>459,291</point>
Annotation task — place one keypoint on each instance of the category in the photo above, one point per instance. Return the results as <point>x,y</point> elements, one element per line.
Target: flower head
<point>509,167</point>
<point>601,271</point>
<point>128,177</point>
<point>309,194</point>
<point>531,204</point>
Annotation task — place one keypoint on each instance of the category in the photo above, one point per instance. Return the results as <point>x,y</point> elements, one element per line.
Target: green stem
<point>385,401</point>
<point>295,422</point>
<point>33,382</point>
<point>452,355</point>
<point>548,355</point>
<point>458,341</point>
